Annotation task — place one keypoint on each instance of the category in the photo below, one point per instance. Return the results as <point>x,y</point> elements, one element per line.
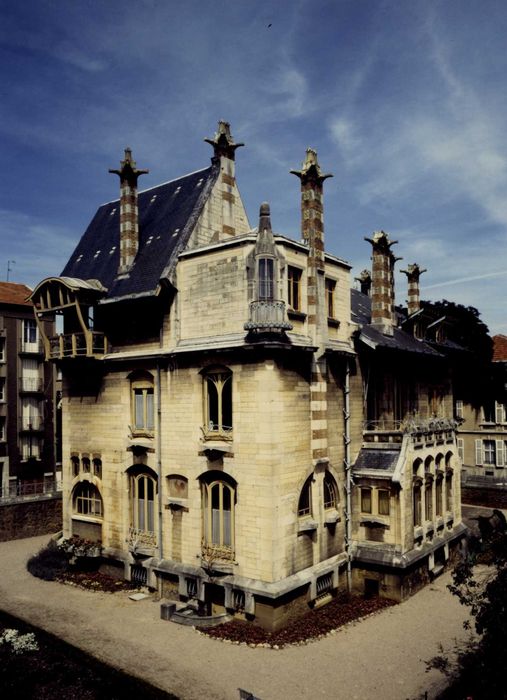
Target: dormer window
<point>266,279</point>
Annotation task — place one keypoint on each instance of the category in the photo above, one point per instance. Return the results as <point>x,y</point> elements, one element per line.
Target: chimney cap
<point>310,169</point>
<point>128,171</point>
<point>413,270</point>
<point>223,142</point>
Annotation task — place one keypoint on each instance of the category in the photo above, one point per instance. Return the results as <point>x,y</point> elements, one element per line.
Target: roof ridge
<point>161,184</point>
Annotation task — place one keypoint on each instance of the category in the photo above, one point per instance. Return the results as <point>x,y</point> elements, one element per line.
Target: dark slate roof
<point>167,215</point>
<point>376,460</point>
<point>371,336</point>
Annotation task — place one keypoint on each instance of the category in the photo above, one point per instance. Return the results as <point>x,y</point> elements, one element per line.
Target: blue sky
<point>405,102</point>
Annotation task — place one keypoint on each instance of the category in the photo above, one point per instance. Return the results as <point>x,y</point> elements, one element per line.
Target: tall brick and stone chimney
<point>413,273</point>
<point>224,155</point>
<point>312,231</point>
<point>129,217</point>
<point>382,282</point>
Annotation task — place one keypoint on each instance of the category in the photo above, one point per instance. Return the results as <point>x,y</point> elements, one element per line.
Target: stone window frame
<point>365,497</point>
<point>330,293</point>
<point>266,278</point>
<point>143,479</point>
<point>218,530</point>
<point>294,287</point>
<point>220,380</point>
<point>142,386</point>
<point>87,500</point>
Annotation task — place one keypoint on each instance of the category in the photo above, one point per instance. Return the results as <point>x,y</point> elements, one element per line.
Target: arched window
<point>143,492</point>
<point>218,402</point>
<point>143,403</point>
<point>305,499</point>
<point>330,492</point>
<point>75,465</point>
<point>86,500</point>
<point>266,279</point>
<point>218,502</point>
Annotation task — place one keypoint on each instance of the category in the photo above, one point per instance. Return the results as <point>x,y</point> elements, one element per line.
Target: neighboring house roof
<point>167,215</point>
<point>500,348</point>
<point>374,338</point>
<point>376,462</point>
<point>12,293</point>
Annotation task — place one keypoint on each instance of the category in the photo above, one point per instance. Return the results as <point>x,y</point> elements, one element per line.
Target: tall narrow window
<point>143,404</point>
<point>417,504</point>
<point>366,500</point>
<point>29,331</point>
<point>489,452</point>
<point>383,502</point>
<point>218,403</point>
<point>294,288</point>
<point>330,301</point>
<point>218,500</point>
<point>305,499</point>
<point>266,279</point>
<point>438,495</point>
<point>428,500</point>
<point>143,489</point>
<point>448,492</point>
<point>330,492</point>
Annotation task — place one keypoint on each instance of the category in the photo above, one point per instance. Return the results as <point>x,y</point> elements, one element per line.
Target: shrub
<point>49,563</point>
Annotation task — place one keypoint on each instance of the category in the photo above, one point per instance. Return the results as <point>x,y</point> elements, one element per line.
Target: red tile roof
<point>12,293</point>
<point>499,348</point>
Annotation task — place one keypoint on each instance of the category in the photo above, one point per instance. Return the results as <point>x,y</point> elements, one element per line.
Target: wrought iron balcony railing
<point>267,317</point>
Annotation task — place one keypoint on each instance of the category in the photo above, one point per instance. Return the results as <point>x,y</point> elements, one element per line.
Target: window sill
<point>142,434</point>
<point>331,517</point>
<point>307,525</point>
<point>295,315</point>
<point>87,518</point>
<point>375,521</point>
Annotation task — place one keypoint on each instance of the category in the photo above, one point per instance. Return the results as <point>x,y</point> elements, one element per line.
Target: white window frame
<point>87,501</point>
<point>460,444</point>
<point>458,408</point>
<point>221,380</point>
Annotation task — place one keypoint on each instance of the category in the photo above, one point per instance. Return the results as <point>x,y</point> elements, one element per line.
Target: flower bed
<point>313,625</point>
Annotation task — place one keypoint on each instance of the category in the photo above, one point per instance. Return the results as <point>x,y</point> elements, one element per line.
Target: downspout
<point>159,462</point>
<point>348,473</point>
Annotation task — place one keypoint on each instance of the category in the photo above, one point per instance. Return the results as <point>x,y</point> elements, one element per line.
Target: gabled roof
<point>13,293</point>
<point>374,338</point>
<point>167,215</point>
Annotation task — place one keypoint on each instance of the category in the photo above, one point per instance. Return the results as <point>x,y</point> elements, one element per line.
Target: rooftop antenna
<point>9,268</point>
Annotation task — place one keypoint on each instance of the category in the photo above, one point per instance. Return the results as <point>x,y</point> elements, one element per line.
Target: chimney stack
<point>312,231</point>
<point>364,280</point>
<point>129,218</point>
<point>382,282</point>
<point>413,273</point>
<point>224,155</point>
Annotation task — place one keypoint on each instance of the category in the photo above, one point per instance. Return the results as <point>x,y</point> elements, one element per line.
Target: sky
<point>405,102</point>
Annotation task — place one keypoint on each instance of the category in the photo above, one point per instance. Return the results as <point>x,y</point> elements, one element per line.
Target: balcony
<point>31,385</point>
<point>423,431</point>
<point>267,317</point>
<point>67,345</point>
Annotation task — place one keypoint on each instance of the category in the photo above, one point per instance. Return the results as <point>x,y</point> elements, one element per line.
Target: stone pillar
<point>129,218</point>
<point>413,273</point>
<point>382,282</point>
<point>224,155</point>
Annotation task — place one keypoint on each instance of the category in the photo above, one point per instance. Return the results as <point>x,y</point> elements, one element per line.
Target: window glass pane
<point>366,500</point>
<point>266,279</point>
<point>227,404</point>
<point>383,502</point>
<point>304,506</point>
<point>139,409</point>
<point>213,417</point>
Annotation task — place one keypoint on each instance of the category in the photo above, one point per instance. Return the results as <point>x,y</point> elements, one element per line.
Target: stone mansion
<point>239,427</point>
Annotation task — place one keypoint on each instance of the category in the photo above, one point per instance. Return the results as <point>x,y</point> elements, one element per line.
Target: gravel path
<point>380,658</point>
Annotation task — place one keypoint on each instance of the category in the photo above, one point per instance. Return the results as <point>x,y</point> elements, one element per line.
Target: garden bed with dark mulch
<point>313,625</point>
<point>60,670</point>
<point>95,581</point>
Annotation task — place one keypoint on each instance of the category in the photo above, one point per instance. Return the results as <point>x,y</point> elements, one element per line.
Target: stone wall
<point>30,518</point>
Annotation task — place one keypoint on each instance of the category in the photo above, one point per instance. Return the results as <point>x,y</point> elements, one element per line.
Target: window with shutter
<point>478,452</point>
<point>500,455</point>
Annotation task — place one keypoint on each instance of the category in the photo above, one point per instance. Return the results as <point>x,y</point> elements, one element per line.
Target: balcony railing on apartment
<point>29,489</point>
<point>77,345</point>
<point>267,317</point>
<point>31,385</point>
<point>423,430</point>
